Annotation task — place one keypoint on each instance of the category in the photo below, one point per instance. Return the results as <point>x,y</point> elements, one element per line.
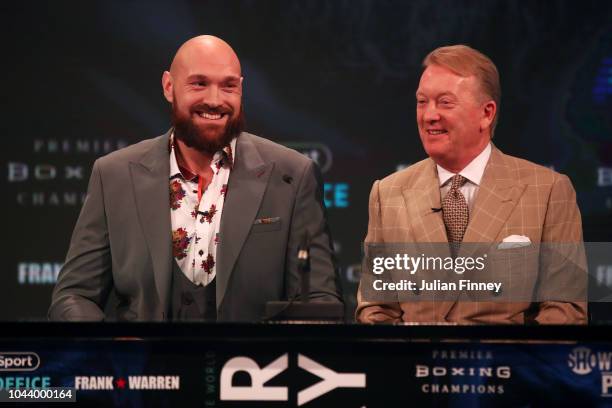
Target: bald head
<point>204,48</point>
<point>203,60</point>
<point>204,87</point>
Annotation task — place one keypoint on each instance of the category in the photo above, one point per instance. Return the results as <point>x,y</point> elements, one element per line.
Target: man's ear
<point>241,81</point>
<point>489,110</point>
<point>167,86</point>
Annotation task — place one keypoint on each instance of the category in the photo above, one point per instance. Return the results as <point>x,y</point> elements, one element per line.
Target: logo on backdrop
<point>583,361</point>
<point>335,195</point>
<point>19,361</point>
<point>317,152</point>
<point>457,371</point>
<point>330,380</point>
<point>131,382</point>
<point>54,174</point>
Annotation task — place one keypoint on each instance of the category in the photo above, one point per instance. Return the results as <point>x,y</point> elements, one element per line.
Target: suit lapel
<point>498,194</point>
<point>150,183</point>
<point>427,225</point>
<point>246,187</point>
<point>420,199</point>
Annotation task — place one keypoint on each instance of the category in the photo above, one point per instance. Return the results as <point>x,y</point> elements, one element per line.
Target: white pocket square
<point>514,241</point>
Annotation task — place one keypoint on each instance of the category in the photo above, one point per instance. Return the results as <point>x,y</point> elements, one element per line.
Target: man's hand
<point>379,314</point>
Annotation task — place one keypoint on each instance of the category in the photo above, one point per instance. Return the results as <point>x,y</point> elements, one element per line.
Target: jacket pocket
<point>266,224</point>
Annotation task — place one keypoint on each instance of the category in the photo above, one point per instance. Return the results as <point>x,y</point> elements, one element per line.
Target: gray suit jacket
<point>122,239</point>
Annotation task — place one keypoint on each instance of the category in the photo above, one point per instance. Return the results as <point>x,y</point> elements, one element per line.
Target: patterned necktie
<point>455,211</point>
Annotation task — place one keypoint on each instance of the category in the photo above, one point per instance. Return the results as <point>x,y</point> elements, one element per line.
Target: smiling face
<point>204,86</point>
<point>453,117</point>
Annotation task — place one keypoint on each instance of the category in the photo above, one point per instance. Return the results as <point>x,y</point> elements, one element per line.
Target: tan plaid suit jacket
<point>515,197</point>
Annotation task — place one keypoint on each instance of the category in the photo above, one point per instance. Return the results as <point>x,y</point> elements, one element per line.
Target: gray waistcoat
<point>191,301</point>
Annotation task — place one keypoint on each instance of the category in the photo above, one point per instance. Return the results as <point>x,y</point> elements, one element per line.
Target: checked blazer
<point>515,197</point>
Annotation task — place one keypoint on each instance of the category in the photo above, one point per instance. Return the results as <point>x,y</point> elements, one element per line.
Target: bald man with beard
<point>201,223</point>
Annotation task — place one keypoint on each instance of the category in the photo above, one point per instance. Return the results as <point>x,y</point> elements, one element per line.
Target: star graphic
<point>120,382</point>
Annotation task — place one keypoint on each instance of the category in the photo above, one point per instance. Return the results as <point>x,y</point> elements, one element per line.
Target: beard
<point>206,139</point>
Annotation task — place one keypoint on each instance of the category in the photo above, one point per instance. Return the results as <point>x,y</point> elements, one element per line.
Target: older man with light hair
<point>467,192</point>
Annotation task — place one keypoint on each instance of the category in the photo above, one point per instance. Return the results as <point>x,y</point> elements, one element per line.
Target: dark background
<point>335,76</point>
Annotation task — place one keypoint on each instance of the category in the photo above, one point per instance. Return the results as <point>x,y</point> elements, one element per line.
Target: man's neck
<point>455,166</point>
<point>194,160</point>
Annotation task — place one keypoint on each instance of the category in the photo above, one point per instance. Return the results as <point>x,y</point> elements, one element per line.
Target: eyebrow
<point>204,77</point>
<point>452,95</point>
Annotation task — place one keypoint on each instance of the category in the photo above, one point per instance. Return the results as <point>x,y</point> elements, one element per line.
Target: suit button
<point>187,299</point>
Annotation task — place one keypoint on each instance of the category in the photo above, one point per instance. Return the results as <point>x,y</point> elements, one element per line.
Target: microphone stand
<point>303,309</point>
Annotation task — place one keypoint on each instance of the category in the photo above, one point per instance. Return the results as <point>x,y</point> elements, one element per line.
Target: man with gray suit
<point>203,222</point>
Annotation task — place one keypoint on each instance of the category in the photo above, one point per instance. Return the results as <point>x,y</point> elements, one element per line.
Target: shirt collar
<point>222,158</point>
<point>473,171</point>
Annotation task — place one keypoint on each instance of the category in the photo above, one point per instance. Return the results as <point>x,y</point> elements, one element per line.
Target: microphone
<point>303,258</point>
<point>436,209</point>
<point>287,178</point>
<point>303,309</point>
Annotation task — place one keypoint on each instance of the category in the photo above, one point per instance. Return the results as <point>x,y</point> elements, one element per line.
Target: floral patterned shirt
<point>195,214</point>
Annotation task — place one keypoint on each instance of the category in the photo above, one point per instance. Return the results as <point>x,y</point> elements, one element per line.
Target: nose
<point>211,96</point>
<point>430,113</point>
